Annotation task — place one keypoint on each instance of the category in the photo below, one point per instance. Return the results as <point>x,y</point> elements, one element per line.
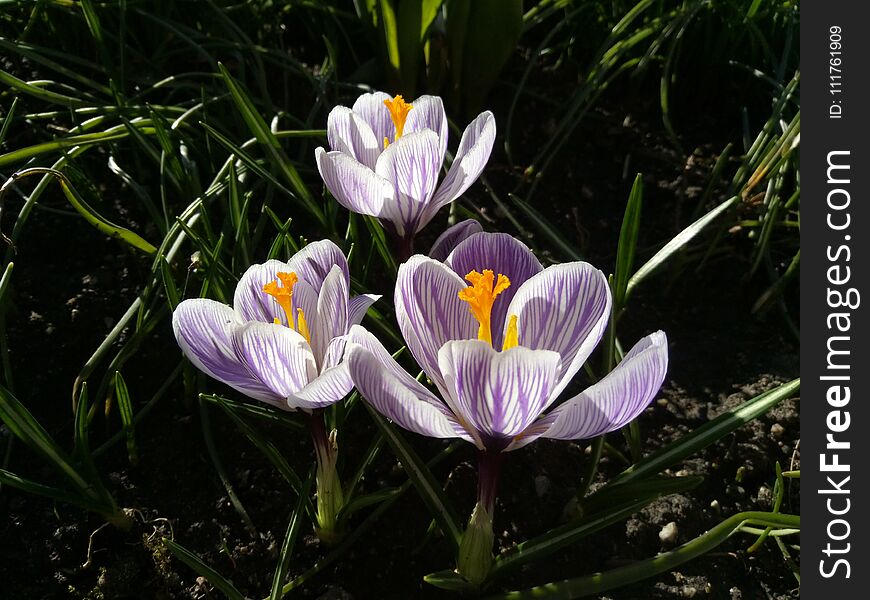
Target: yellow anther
<point>511,337</point>
<point>283,294</point>
<point>399,110</point>
<point>480,296</point>
<point>302,325</point>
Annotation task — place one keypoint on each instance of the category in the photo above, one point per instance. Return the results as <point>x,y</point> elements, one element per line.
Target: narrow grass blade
<point>198,565</point>
<point>708,434</point>
<point>91,216</point>
<point>264,135</point>
<point>676,244</point>
<point>125,407</point>
<point>597,583</point>
<point>290,540</point>
<point>627,243</point>
<point>546,228</point>
<point>52,493</point>
<point>430,491</point>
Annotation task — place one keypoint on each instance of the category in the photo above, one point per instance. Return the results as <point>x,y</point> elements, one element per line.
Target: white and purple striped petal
<point>471,157</point>
<point>428,113</point>
<point>333,384</point>
<point>332,313</point>
<point>429,311</point>
<point>315,261</point>
<point>452,236</point>
<point>564,308</point>
<point>347,132</point>
<point>357,307</point>
<point>618,398</point>
<point>498,393</point>
<point>355,186</point>
<point>203,329</point>
<point>503,254</point>
<point>250,302</point>
<point>398,401</point>
<point>276,355</point>
<point>411,164</point>
<point>373,111</point>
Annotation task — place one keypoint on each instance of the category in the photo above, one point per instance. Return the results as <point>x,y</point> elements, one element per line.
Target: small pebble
<point>715,506</point>
<point>689,592</point>
<point>776,431</point>
<point>668,534</point>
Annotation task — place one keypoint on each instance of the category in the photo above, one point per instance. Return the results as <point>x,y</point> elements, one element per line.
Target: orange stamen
<point>283,294</point>
<point>511,336</point>
<point>399,110</point>
<point>481,295</point>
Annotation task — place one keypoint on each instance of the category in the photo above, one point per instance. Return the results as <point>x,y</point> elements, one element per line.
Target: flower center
<point>283,295</point>
<point>399,110</point>
<point>481,295</point>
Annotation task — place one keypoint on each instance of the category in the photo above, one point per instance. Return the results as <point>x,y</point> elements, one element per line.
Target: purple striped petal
<point>428,113</point>
<point>251,302</point>
<point>618,398</point>
<point>315,261</point>
<point>276,355</point>
<point>564,308</point>
<point>471,156</point>
<point>390,397</point>
<point>329,387</point>
<point>203,329</point>
<point>504,254</point>
<point>411,164</point>
<point>429,311</point>
<point>347,132</point>
<point>355,186</point>
<point>451,237</point>
<point>331,321</point>
<point>373,111</point>
<point>498,393</point>
<point>357,307</point>
<point>363,339</point>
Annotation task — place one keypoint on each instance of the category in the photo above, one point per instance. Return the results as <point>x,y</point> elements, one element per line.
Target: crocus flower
<point>500,351</point>
<point>385,159</point>
<point>282,343</point>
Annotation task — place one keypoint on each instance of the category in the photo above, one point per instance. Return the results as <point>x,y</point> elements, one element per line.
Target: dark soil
<point>78,284</point>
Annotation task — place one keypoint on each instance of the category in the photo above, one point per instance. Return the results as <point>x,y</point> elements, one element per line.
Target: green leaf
<point>429,489</point>
<point>637,490</point>
<point>561,537</point>
<point>676,244</point>
<point>196,563</point>
<point>708,434</point>
<point>597,583</point>
<point>627,243</point>
<point>543,226</point>
<point>450,580</point>
<point>19,420</point>
<point>290,540</point>
<point>91,216</point>
<point>264,135</point>
<point>125,407</point>
<point>53,493</point>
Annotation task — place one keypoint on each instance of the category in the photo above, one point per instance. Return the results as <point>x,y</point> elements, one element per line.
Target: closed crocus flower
<point>386,155</point>
<point>282,342</point>
<point>501,338</point>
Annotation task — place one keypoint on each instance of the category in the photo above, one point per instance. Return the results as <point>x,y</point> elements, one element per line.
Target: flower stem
<point>475,550</point>
<point>405,247</point>
<point>330,498</point>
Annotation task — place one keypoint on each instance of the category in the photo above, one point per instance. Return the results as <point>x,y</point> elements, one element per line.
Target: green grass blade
<point>23,424</point>
<point>428,488</point>
<point>676,244</point>
<point>708,433</point>
<point>91,216</point>
<point>39,93</point>
<point>53,493</point>
<point>290,540</point>
<point>264,135</point>
<point>125,407</point>
<point>546,228</point>
<point>7,120</point>
<point>601,582</point>
<point>198,565</point>
<point>627,243</point>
